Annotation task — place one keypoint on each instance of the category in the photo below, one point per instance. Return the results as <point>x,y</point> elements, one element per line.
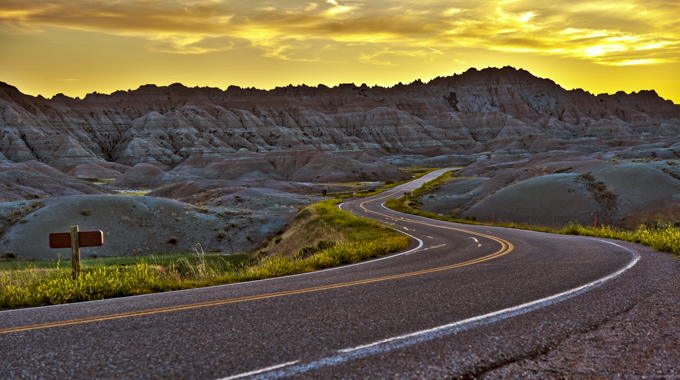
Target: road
<point>463,300</point>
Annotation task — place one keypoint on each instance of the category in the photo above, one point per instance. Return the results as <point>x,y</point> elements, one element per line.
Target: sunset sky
<point>77,46</point>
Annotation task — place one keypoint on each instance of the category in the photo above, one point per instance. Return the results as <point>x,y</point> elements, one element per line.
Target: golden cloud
<point>630,32</point>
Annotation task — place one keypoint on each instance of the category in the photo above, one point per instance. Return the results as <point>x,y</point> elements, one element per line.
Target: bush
<point>85,212</point>
<point>306,252</point>
<point>326,244</point>
<point>10,255</point>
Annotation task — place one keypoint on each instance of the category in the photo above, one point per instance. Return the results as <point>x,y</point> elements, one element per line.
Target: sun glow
<point>334,40</point>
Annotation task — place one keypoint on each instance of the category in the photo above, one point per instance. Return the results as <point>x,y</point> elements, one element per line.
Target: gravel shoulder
<point>640,342</point>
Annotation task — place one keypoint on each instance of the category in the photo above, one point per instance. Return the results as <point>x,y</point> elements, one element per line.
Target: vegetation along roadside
<point>414,171</point>
<point>662,237</point>
<point>320,236</point>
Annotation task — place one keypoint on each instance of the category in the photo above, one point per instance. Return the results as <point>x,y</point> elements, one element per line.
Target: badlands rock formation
<point>560,187</point>
<point>532,151</point>
<point>182,128</point>
<point>33,180</point>
<point>135,225</point>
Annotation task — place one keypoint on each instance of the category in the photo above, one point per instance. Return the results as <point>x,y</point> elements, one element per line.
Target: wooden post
<point>75,251</point>
<point>76,239</point>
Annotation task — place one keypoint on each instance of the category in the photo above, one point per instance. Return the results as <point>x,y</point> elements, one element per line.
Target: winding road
<point>461,301</point>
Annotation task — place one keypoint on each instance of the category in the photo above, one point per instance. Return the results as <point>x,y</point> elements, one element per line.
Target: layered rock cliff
<point>180,127</point>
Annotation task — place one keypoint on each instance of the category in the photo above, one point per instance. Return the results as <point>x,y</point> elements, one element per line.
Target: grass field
<point>320,236</point>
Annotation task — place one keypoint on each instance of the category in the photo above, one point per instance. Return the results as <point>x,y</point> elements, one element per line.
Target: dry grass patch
<point>306,229</point>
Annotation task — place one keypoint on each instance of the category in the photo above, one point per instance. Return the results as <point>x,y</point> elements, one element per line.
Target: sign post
<point>75,251</point>
<point>76,239</point>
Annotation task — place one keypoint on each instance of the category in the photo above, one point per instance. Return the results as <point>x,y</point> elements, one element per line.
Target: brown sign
<point>86,239</point>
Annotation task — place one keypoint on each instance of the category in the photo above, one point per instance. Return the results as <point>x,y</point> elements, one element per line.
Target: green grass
<point>664,238</point>
<point>429,185</point>
<point>34,288</point>
<point>122,261</point>
<point>415,172</point>
<point>48,282</point>
<point>341,254</point>
<point>331,214</point>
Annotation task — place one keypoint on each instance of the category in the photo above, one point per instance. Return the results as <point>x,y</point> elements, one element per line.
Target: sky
<point>77,47</point>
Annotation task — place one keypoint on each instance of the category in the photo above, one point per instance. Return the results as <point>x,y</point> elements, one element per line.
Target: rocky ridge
<point>177,127</point>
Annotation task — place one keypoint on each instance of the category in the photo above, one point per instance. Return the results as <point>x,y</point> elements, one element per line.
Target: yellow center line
<point>505,248</point>
<point>499,240</point>
<point>248,298</point>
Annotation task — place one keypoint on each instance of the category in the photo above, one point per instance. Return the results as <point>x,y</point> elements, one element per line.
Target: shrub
<point>326,244</point>
<point>10,255</point>
<point>85,212</point>
<point>306,252</point>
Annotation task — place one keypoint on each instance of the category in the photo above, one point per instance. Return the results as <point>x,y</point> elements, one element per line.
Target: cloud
<point>621,33</point>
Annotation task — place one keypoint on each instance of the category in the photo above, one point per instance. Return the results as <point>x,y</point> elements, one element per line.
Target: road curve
<point>463,300</point>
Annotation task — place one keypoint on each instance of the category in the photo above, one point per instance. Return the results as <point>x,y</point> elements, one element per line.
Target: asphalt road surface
<point>462,301</point>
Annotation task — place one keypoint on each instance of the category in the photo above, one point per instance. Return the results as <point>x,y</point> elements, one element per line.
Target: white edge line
<point>510,310</point>
<point>258,371</point>
<point>175,292</point>
<point>448,329</point>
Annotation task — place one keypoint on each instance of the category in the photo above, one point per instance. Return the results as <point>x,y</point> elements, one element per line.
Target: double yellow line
<point>505,248</point>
